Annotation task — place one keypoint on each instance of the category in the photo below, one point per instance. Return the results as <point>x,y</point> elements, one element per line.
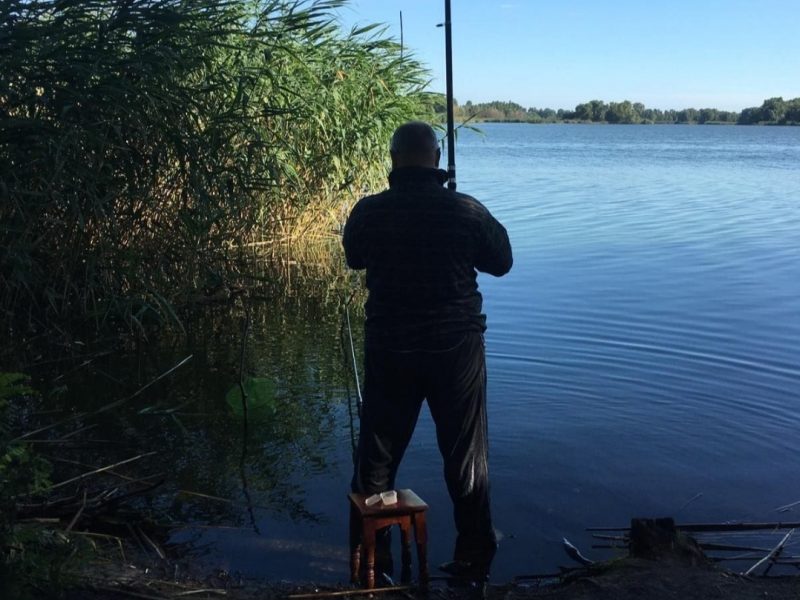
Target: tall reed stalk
<point>145,143</point>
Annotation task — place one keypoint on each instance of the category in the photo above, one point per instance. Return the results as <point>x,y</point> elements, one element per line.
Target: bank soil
<point>664,564</point>
<point>624,579</point>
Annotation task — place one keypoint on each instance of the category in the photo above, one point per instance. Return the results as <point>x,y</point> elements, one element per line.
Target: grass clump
<point>34,559</point>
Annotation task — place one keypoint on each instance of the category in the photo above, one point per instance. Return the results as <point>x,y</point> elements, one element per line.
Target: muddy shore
<point>624,579</point>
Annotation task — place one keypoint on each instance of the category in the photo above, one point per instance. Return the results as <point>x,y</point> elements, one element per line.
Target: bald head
<point>414,144</point>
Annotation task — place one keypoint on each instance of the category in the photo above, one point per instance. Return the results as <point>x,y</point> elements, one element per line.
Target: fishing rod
<point>448,53</point>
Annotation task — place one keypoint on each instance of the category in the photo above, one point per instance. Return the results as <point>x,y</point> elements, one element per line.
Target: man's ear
<point>438,156</point>
<point>394,159</point>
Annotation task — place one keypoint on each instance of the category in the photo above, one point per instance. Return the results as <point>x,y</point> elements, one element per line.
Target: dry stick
<point>109,472</point>
<point>96,471</point>
<point>107,537</point>
<point>616,538</point>
<point>107,407</point>
<point>47,428</point>
<point>76,432</point>
<point>690,500</point>
<point>80,366</point>
<point>730,547</point>
<point>127,593</point>
<point>538,576</point>
<point>441,594</point>
<point>155,546</point>
<point>192,526</point>
<point>772,554</point>
<point>77,444</point>
<point>748,557</point>
<point>207,496</point>
<point>136,537</point>
<point>787,560</point>
<point>58,502</point>
<point>776,556</point>
<point>715,527</point>
<point>737,526</point>
<point>42,520</point>
<point>108,496</point>
<point>77,515</point>
<point>355,592</point>
<point>218,499</point>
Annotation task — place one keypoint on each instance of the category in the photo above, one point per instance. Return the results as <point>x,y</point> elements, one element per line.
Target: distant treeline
<point>774,111</point>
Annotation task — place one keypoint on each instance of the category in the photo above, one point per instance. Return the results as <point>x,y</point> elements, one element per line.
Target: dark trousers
<point>454,383</point>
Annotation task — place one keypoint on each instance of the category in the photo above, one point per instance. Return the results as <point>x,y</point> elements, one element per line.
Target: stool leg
<point>368,540</point>
<point>355,545</point>
<point>405,530</point>
<point>421,535</point>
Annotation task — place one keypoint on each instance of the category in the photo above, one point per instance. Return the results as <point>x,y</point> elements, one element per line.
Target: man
<point>421,245</point>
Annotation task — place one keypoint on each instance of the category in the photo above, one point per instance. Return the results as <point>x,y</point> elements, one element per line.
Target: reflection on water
<point>642,350</point>
<point>284,348</point>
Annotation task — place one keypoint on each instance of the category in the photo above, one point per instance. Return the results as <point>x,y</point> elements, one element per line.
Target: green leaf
<point>260,393</point>
<point>14,385</point>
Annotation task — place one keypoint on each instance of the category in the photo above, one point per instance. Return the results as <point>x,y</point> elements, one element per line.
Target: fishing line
<point>346,331</point>
<point>353,354</point>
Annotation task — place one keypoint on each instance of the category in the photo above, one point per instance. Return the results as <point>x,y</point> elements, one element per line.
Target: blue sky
<point>727,54</point>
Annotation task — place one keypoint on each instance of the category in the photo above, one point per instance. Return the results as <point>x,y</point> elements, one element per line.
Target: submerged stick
<point>129,480</point>
<point>97,471</point>
<point>697,496</point>
<point>105,536</point>
<point>787,507</point>
<point>105,408</point>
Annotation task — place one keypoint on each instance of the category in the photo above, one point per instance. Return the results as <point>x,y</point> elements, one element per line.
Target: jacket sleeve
<point>494,255</point>
<point>353,240</point>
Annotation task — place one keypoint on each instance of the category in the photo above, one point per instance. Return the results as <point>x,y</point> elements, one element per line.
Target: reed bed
<point>147,145</point>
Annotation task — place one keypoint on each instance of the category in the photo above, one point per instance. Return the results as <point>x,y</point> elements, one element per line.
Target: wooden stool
<point>365,521</point>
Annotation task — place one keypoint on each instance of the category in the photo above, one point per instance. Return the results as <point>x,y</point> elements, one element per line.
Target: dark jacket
<point>421,245</point>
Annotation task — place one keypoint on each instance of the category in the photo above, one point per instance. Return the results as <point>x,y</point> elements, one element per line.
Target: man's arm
<point>353,241</point>
<point>494,256</point>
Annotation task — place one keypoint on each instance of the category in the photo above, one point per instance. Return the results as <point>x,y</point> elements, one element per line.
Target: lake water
<point>646,346</point>
<point>643,350</point>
